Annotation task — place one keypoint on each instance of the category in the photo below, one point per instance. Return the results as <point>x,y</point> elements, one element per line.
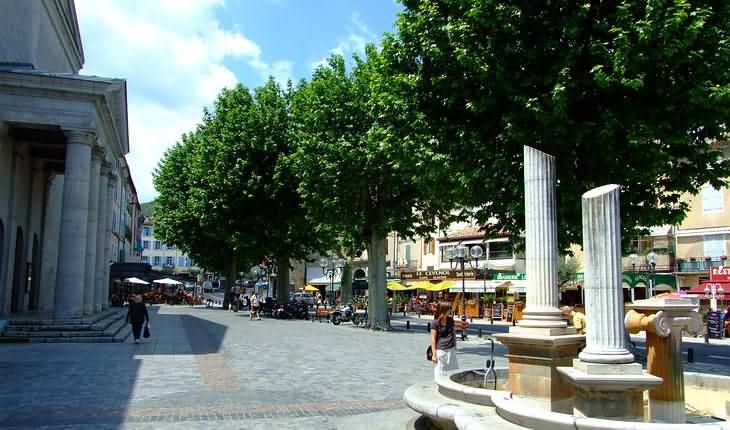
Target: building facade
<point>162,257</point>
<point>63,138</point>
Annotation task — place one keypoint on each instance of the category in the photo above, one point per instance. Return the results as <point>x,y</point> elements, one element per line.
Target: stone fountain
<point>548,384</point>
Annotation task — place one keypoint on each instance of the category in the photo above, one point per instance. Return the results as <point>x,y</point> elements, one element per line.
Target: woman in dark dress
<point>443,340</point>
<point>137,316</point>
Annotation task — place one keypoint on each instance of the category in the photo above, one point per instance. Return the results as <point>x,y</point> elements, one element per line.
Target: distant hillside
<point>148,208</point>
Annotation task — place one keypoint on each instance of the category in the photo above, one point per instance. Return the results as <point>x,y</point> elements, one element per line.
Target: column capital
<point>79,136</point>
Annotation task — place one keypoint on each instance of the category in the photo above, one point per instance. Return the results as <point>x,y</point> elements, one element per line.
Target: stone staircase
<point>107,326</point>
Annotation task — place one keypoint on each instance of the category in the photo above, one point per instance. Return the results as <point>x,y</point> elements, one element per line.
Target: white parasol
<point>167,281</point>
<point>136,281</point>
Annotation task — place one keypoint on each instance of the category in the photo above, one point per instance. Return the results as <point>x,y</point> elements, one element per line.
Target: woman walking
<point>443,340</point>
<point>137,316</point>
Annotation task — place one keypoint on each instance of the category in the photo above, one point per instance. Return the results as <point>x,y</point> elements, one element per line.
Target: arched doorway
<point>35,278</point>
<point>16,303</point>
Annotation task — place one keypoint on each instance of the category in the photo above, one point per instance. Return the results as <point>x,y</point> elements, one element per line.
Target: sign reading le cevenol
<point>438,274</point>
<point>720,274</point>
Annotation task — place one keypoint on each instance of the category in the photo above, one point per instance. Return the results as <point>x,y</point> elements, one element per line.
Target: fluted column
<point>101,238</point>
<point>69,295</point>
<point>91,230</point>
<point>541,241</point>
<point>51,234</point>
<point>605,339</point>
<point>111,180</point>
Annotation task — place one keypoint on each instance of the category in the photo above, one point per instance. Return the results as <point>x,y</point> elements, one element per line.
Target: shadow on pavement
<point>92,385</point>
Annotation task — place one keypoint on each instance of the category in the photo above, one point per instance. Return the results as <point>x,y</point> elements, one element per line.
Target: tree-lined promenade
<point>429,126</point>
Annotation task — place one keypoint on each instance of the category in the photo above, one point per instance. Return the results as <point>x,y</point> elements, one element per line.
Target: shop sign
<point>715,325</point>
<point>510,276</point>
<point>438,274</point>
<point>720,274</point>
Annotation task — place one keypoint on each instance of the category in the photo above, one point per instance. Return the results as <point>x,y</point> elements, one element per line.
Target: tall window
<point>157,260</point>
<point>146,244</point>
<point>711,199</point>
<point>714,245</point>
<point>147,231</point>
<point>145,259</point>
<point>158,244</point>
<point>181,262</point>
<point>170,261</point>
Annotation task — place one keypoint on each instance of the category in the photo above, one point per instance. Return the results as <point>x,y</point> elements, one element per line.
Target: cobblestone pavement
<point>207,368</point>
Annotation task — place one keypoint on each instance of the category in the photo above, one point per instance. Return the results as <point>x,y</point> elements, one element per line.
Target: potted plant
<point>708,258</point>
<point>692,259</point>
<point>723,257</point>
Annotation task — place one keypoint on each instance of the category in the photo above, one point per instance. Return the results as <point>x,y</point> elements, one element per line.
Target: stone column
<point>541,242</point>
<point>69,296</point>
<point>51,234</point>
<point>101,238</point>
<point>91,230</point>
<point>111,180</point>
<point>605,338</point>
<point>541,342</point>
<point>608,383</point>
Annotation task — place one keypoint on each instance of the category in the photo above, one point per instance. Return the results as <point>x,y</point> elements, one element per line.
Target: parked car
<point>307,298</point>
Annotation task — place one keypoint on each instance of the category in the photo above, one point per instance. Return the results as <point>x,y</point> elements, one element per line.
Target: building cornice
<point>703,231</point>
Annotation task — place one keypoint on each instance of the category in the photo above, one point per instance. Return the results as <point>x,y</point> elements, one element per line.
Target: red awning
<point>700,289</point>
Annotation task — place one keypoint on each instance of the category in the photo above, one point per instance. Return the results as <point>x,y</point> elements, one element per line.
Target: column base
<point>534,356</point>
<point>610,391</point>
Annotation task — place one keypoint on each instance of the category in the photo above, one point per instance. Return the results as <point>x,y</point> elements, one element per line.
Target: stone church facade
<point>63,138</point>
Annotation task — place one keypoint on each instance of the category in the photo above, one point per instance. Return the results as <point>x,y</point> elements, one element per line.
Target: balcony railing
<point>699,265</point>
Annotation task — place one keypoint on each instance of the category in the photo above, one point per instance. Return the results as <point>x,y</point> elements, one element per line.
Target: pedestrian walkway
<point>205,367</point>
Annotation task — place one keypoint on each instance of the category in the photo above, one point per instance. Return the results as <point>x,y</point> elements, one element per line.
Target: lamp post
<point>651,260</point>
<point>457,259</point>
<point>712,292</point>
<point>634,261</point>
<point>331,268</point>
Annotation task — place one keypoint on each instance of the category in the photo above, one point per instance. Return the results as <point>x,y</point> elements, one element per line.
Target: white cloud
<point>172,54</point>
<point>354,43</point>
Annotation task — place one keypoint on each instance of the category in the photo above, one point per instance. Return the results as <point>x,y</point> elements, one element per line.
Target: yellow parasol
<point>397,286</point>
<point>428,286</point>
<point>311,289</point>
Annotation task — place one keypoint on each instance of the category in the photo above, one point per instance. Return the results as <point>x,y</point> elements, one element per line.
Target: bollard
<point>428,327</point>
<point>408,325</point>
<point>690,355</point>
<point>479,333</point>
<point>471,320</point>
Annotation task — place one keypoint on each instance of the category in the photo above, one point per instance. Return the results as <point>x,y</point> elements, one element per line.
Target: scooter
<point>345,313</point>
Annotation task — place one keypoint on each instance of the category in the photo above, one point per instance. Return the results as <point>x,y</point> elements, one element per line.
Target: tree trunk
<point>346,284</point>
<point>230,272</point>
<point>377,310</point>
<point>282,280</point>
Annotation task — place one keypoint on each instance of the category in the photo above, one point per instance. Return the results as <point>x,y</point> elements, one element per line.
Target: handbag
<point>429,353</point>
<point>146,332</point>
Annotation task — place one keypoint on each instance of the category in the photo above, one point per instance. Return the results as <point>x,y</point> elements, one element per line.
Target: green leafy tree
<point>568,267</point>
<point>241,194</point>
<point>364,164</point>
<point>629,92</point>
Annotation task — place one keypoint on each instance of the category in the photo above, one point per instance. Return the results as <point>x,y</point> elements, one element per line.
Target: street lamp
<point>651,259</point>
<point>331,268</point>
<point>634,261</point>
<point>457,259</point>
<point>712,292</point>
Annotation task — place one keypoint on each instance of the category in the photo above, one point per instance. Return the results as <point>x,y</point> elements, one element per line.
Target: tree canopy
<point>228,196</point>
<point>628,92</point>
<point>363,162</point>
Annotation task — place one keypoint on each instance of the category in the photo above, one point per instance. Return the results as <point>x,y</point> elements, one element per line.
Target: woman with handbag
<point>138,317</point>
<point>443,340</point>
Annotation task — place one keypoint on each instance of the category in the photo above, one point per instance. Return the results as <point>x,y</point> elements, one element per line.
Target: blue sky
<point>176,55</point>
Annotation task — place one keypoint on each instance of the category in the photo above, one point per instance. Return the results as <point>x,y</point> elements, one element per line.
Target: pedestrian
<point>443,340</point>
<point>254,307</point>
<point>137,316</point>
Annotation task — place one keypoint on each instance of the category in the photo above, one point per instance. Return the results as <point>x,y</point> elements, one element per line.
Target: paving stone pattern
<point>207,368</point>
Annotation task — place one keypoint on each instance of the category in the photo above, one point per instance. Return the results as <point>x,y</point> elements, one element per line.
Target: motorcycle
<point>292,309</point>
<point>346,313</point>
